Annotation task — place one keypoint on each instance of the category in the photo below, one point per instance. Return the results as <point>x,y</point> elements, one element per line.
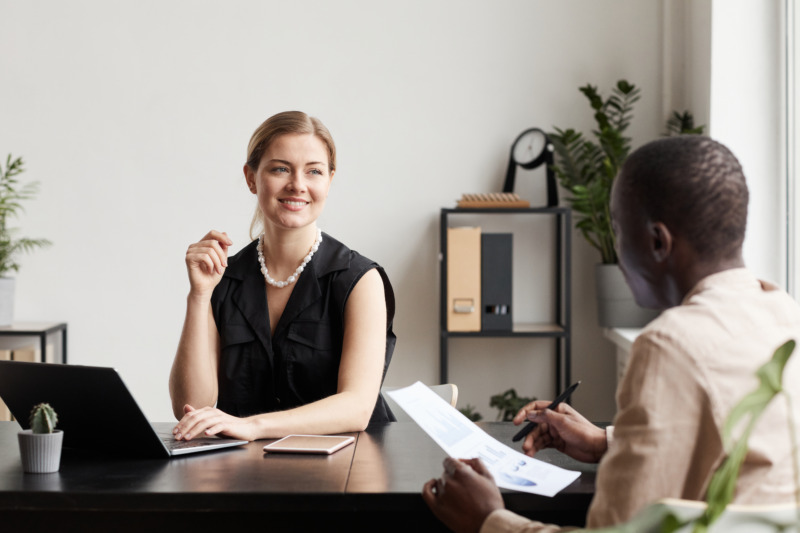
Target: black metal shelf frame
<point>559,331</point>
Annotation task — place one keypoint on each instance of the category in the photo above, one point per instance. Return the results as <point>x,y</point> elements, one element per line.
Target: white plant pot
<point>616,306</point>
<point>40,452</point>
<point>7,300</point>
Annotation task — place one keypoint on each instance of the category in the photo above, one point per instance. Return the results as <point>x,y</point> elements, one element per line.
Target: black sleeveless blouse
<point>259,373</point>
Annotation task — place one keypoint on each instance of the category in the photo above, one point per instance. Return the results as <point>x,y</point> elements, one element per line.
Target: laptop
<point>95,410</point>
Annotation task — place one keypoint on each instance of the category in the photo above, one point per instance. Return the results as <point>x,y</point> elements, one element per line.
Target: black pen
<point>561,398</point>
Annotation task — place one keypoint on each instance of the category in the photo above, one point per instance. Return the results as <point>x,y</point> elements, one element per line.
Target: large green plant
<point>12,193</point>
<point>586,166</point>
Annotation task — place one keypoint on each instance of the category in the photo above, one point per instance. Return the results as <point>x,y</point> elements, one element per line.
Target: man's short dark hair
<point>696,187</point>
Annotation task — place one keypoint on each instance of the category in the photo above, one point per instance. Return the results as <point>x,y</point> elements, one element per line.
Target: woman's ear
<point>250,178</point>
<point>661,241</point>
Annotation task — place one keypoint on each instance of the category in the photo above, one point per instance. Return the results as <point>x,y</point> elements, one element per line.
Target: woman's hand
<point>464,496</point>
<point>206,261</point>
<point>564,429</point>
<point>211,421</point>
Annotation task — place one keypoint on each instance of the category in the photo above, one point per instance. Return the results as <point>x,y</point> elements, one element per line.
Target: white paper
<point>460,438</point>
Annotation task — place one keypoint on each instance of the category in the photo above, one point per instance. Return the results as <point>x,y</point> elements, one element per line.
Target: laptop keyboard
<point>173,444</point>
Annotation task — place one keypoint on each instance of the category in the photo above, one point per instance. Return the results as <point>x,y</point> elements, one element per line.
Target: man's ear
<point>661,241</point>
<point>250,178</point>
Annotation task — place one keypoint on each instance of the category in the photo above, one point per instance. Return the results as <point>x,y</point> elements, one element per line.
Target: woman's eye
<point>280,169</point>
<point>316,171</point>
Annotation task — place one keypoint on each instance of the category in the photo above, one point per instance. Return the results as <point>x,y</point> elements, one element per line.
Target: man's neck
<point>700,270</point>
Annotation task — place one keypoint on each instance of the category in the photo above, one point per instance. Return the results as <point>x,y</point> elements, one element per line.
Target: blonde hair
<point>281,124</point>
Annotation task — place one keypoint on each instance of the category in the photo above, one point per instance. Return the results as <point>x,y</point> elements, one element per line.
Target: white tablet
<point>324,444</point>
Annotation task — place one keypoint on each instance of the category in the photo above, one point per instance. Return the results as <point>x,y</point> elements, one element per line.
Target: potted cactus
<point>40,446</point>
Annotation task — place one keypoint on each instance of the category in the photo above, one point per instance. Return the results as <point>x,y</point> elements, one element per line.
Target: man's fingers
<point>427,492</point>
<point>479,467</point>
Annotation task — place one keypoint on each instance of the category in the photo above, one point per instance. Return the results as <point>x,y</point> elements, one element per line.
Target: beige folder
<point>463,279</point>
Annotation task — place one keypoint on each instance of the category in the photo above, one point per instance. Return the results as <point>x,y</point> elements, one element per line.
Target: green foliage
<point>508,404</point>
<point>12,193</point>
<point>470,412</point>
<point>43,418</point>
<point>682,124</point>
<point>586,167</point>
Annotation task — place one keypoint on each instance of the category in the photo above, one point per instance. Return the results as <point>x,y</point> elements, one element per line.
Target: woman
<point>293,334</point>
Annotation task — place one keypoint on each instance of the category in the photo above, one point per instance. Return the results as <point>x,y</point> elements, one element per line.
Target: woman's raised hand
<point>206,261</point>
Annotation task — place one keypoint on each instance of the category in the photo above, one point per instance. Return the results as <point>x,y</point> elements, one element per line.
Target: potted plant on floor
<point>586,167</point>
<point>40,446</point>
<point>12,193</point>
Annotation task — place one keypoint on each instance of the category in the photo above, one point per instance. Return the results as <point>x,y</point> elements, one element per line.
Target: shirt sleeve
<point>652,454</point>
<point>504,521</point>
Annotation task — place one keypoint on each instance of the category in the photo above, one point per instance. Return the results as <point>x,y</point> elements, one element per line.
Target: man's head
<point>679,211</point>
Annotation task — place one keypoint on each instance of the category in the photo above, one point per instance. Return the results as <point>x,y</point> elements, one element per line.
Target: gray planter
<point>616,307</point>
<point>7,300</point>
<point>40,452</point>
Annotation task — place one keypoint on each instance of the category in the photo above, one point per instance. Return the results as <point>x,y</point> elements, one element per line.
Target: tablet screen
<point>325,444</point>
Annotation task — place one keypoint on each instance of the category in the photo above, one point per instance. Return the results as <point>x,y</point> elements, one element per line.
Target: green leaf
<point>12,194</point>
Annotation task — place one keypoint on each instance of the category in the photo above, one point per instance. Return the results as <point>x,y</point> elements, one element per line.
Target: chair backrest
<point>735,518</point>
<point>448,391</point>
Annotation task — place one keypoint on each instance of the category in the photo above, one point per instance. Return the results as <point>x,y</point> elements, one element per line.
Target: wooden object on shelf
<point>22,337</point>
<point>492,199</point>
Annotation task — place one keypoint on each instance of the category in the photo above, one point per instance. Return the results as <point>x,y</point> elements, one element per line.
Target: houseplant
<point>12,194</point>
<point>40,446</point>
<point>586,167</point>
<point>508,404</point>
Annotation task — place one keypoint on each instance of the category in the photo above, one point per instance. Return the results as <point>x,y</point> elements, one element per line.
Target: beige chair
<point>448,391</point>
<point>782,518</point>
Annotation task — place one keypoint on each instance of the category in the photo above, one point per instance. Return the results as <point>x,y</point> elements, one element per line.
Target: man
<point>679,211</point>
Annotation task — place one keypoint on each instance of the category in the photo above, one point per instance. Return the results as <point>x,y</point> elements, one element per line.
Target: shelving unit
<point>559,331</point>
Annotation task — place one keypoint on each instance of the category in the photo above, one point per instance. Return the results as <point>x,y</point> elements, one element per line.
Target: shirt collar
<point>737,278</point>
<point>330,257</point>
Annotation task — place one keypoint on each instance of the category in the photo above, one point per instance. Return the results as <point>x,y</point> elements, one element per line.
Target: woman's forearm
<point>343,412</point>
<point>193,379</point>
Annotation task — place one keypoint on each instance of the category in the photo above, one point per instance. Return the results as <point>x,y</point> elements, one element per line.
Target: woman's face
<point>292,180</point>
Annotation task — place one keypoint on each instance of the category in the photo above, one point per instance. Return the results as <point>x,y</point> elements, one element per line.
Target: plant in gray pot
<point>40,446</point>
<point>586,168</point>
<point>12,194</point>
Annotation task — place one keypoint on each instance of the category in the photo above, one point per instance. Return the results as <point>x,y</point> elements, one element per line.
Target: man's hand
<point>564,429</point>
<point>464,496</point>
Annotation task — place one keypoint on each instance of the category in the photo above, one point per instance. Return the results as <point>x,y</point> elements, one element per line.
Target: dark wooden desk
<point>372,486</point>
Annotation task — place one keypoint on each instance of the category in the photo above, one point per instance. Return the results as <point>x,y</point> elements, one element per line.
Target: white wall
<point>135,117</point>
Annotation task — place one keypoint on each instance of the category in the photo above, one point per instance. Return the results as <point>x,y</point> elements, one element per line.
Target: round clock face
<point>529,146</point>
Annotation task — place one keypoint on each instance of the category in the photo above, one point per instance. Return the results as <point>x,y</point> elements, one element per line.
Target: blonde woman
<point>292,334</point>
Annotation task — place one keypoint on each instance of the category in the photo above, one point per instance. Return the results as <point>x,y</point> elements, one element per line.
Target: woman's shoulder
<point>335,256</point>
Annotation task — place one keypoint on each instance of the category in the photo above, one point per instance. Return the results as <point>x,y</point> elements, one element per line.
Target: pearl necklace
<point>291,279</point>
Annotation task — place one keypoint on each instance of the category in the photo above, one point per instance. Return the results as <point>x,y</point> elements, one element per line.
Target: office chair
<point>735,518</point>
<point>448,391</point>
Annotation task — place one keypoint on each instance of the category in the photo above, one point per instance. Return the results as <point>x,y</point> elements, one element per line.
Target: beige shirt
<point>687,369</point>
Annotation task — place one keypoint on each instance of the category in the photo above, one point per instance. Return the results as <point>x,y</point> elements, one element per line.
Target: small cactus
<point>43,418</point>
